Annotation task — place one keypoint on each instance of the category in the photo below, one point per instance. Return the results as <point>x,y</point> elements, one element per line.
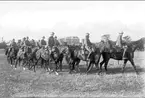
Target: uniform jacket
<point>43,42</point>
<point>51,41</point>
<point>119,41</point>
<point>13,44</point>
<point>57,42</point>
<point>87,44</point>
<point>27,43</point>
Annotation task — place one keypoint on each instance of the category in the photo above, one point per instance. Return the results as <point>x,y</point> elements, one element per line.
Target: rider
<point>43,42</point>
<point>33,43</point>
<point>19,43</point>
<point>88,44</point>
<point>119,43</point>
<point>56,42</point>
<point>13,44</point>
<point>27,42</point>
<point>51,41</point>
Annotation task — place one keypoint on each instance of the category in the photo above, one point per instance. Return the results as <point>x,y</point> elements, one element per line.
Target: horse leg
<point>10,61</point>
<point>70,68</point>
<point>73,66</point>
<point>106,63</point>
<point>97,62</point>
<point>101,66</point>
<point>35,65</point>
<point>132,62</point>
<point>89,67</point>
<point>77,64</point>
<point>60,65</point>
<point>123,69</point>
<point>87,63</point>
<point>56,65</point>
<point>16,63</point>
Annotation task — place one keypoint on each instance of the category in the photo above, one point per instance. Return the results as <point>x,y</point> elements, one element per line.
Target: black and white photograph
<point>72,49</point>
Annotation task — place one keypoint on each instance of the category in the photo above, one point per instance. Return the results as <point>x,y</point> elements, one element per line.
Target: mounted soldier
<point>27,42</point>
<point>13,44</point>
<point>23,42</point>
<point>43,42</point>
<point>56,42</point>
<point>51,41</point>
<point>19,43</point>
<point>121,44</point>
<point>33,44</point>
<point>88,44</point>
<point>107,46</point>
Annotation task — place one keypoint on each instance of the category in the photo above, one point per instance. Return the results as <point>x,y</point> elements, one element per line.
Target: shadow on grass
<point>111,70</point>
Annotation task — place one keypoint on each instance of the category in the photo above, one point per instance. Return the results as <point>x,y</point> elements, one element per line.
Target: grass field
<point>19,83</point>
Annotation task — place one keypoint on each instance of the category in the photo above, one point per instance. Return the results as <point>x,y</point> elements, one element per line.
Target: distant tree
<point>3,45</point>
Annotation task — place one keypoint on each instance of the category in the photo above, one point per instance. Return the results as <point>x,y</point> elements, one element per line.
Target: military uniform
<point>88,45</point>
<point>120,44</point>
<point>56,42</point>
<point>33,43</point>
<point>51,41</point>
<point>119,40</point>
<point>13,44</point>
<point>27,43</point>
<point>43,43</point>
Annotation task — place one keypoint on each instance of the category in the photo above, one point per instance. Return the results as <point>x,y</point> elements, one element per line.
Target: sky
<point>72,18</point>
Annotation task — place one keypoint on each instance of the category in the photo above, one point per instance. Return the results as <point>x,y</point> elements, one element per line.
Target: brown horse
<point>113,52</point>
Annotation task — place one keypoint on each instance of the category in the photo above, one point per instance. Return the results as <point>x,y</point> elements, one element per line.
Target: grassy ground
<point>19,83</point>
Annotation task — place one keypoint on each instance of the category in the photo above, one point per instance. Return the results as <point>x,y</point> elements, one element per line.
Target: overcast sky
<point>72,18</point>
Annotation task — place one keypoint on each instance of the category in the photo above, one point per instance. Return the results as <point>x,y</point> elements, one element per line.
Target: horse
<point>75,54</point>
<point>57,55</point>
<point>27,55</point>
<point>116,53</point>
<point>20,57</point>
<point>42,55</point>
<point>11,55</point>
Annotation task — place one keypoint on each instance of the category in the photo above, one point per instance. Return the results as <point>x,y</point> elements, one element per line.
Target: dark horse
<point>75,54</point>
<point>113,52</point>
<point>57,56</point>
<point>11,53</point>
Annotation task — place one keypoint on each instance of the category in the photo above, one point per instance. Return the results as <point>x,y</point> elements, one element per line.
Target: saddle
<point>117,49</point>
<point>21,53</point>
<point>42,53</point>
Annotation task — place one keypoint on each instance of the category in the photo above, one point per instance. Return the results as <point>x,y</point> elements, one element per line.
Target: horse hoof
<point>11,65</point>
<point>15,68</point>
